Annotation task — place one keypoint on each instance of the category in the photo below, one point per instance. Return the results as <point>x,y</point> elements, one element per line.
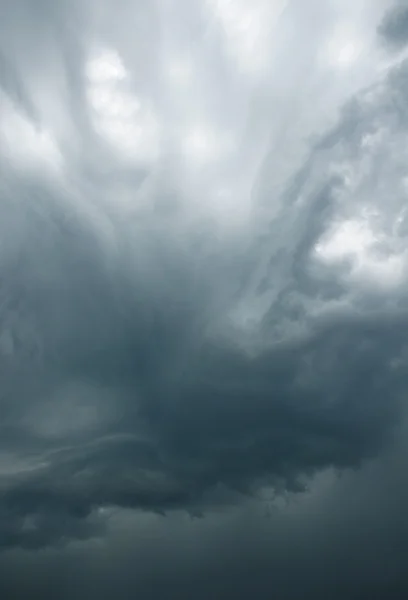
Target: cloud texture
<point>203,290</point>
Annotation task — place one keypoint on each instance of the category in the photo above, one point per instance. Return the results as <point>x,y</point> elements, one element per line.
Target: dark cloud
<point>394,27</point>
<point>337,540</point>
<point>202,302</point>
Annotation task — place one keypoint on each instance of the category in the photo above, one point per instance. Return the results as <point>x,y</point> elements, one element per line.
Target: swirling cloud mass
<point>203,299</point>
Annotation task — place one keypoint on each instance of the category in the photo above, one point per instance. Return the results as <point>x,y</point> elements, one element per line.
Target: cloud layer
<point>203,264</point>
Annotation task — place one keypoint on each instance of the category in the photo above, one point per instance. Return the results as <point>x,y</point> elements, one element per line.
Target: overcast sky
<point>203,299</point>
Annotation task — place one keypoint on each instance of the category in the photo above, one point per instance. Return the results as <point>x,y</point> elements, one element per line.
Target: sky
<point>203,299</point>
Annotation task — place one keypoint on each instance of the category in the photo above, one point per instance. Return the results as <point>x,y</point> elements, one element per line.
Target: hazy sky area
<point>203,299</point>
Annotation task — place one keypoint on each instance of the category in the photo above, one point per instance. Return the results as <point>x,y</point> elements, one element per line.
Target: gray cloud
<point>345,537</point>
<point>394,26</point>
<point>203,285</point>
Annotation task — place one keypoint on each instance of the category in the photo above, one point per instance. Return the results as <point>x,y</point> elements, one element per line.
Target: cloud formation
<point>203,267</point>
<point>394,26</point>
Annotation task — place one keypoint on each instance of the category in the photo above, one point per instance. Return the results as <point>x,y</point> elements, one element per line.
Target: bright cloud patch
<point>369,258</point>
<point>118,114</point>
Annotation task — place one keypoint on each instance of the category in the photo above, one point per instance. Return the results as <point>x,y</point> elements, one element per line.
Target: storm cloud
<point>203,291</point>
